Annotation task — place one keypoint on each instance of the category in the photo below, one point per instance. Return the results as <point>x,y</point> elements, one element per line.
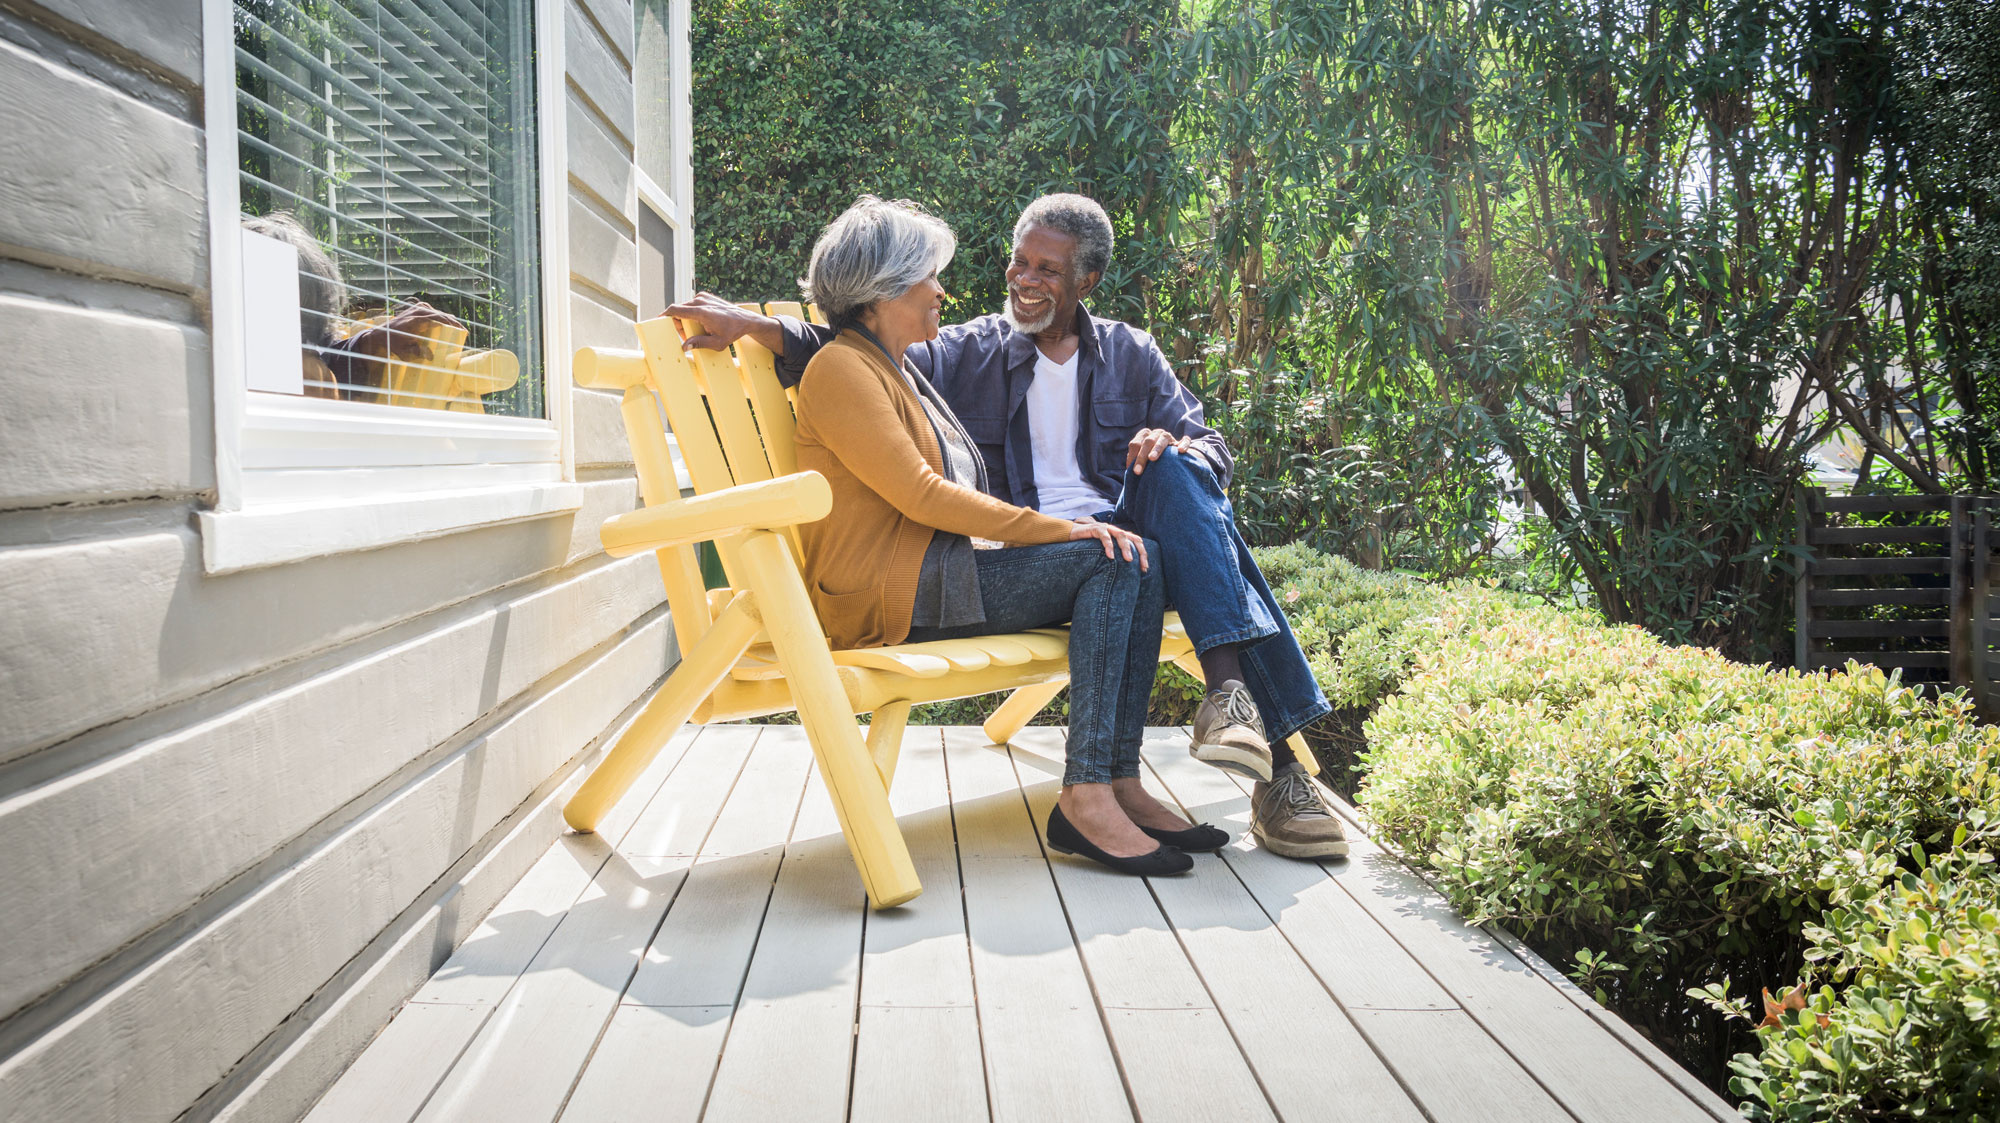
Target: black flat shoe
<point>1195,840</point>
<point>1064,838</point>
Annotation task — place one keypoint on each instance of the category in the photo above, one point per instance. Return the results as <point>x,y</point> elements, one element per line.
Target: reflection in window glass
<point>392,142</point>
<point>652,79</point>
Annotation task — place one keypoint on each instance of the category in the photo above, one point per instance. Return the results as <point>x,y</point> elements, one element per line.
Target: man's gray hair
<point>874,251</point>
<point>1081,218</point>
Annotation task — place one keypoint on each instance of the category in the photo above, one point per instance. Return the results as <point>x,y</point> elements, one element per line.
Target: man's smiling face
<point>1042,285</point>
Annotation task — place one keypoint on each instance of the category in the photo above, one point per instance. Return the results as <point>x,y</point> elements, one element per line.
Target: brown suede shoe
<point>1290,819</point>
<point>1229,734</point>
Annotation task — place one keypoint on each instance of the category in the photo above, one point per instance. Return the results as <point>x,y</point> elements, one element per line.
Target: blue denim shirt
<point>983,368</point>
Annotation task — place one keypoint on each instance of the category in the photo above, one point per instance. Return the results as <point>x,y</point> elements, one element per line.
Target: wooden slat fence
<point>1903,582</point>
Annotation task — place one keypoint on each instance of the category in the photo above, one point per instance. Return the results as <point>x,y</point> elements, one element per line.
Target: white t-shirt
<point>1052,421</point>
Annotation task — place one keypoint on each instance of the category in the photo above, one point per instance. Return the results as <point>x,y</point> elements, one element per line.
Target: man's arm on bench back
<point>791,341</point>
<point>723,323</point>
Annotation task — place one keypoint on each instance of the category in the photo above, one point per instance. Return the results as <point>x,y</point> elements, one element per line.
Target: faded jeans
<point>1215,583</point>
<point>1113,611</point>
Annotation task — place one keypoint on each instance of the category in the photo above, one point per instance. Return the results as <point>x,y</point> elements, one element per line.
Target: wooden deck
<point>707,955</point>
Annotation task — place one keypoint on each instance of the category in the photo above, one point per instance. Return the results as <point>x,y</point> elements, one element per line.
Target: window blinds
<point>401,136</point>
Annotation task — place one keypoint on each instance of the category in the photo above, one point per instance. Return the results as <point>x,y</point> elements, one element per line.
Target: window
<point>656,262</point>
<point>391,143</point>
<point>653,75</point>
<point>383,319</point>
<point>660,80</point>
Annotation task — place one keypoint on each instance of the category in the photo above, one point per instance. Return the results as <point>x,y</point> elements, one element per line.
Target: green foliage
<point>1478,287</point>
<point>1363,630</point>
<point>970,109</point>
<point>1909,1031</point>
<point>1690,823</point>
<point>1949,85</point>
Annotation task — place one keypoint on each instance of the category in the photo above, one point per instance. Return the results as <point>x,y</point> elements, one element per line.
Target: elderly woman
<point>915,550</point>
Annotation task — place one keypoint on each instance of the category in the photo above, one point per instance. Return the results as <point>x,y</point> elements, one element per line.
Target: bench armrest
<point>801,497</point>
<point>608,368</point>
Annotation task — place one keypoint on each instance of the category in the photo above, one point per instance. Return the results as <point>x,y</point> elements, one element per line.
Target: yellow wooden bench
<point>757,648</point>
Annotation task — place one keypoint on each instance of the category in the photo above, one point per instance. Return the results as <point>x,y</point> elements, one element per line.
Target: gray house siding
<point>246,815</point>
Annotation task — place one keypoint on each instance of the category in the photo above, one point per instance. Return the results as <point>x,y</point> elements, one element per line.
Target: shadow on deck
<point>709,955</point>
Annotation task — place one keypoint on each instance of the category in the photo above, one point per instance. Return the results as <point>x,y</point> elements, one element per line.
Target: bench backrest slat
<point>721,383</point>
<point>733,421</point>
<point>768,402</point>
<point>672,377</point>
<point>680,567</point>
<point>754,415</point>
<point>796,311</point>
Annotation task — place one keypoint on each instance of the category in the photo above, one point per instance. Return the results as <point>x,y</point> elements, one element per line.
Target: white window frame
<point>301,477</point>
<point>674,203</point>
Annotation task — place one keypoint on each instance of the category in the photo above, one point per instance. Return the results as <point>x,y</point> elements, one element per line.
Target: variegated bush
<point>1673,822</point>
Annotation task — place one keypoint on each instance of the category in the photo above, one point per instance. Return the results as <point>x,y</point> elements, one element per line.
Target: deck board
<point>526,1059</point>
<point>1047,1055</point>
<point>1155,1006</point>
<point>790,1049</point>
<point>1480,1070</point>
<point>659,1051</point>
<point>1266,990</point>
<point>1595,1075</point>
<point>917,1053</point>
<point>709,956</point>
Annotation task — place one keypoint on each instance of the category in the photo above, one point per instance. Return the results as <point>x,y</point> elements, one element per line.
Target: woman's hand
<point>1115,539</point>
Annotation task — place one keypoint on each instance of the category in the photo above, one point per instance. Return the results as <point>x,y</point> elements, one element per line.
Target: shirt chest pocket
<point>1119,417</point>
<point>1115,421</point>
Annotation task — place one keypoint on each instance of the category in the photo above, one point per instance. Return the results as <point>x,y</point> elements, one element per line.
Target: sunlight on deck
<point>709,955</point>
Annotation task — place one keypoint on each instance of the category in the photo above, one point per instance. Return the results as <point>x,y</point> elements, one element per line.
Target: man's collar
<point>1086,329</point>
<point>1021,345</point>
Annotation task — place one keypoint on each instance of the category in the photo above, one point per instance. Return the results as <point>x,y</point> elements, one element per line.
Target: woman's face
<point>913,315</point>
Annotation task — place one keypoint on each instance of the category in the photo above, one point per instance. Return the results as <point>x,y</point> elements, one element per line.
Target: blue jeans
<point>1113,611</point>
<point>1216,585</point>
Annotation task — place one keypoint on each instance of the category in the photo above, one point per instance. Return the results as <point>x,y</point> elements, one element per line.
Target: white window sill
<point>284,432</point>
<point>273,533</point>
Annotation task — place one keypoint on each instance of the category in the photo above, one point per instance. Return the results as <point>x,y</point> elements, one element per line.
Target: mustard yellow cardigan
<point>863,428</point>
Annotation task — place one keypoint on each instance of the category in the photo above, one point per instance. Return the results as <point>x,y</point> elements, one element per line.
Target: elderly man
<point>1078,416</point>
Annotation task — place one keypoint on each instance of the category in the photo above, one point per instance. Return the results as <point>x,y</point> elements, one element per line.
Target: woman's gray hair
<point>322,292</point>
<point>873,252</point>
<point>1081,218</point>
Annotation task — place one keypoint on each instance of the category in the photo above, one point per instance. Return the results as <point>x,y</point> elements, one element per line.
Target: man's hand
<point>1148,444</point>
<point>723,323</point>
<point>1116,540</point>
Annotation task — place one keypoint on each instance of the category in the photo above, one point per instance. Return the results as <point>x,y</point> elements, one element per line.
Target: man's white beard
<point>1030,327</point>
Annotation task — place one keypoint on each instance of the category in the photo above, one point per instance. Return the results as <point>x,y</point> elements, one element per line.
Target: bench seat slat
<point>938,658</point>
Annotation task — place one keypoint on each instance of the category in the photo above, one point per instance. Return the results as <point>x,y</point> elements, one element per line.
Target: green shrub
<point>1904,1025</point>
<point>1363,629</point>
<point>1666,818</point>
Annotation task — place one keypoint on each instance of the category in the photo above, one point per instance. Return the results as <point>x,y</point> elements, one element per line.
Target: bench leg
<point>1297,743</point>
<point>700,670</point>
<point>1305,754</point>
<point>885,738</point>
<point>860,798</point>
<point>1020,708</point>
